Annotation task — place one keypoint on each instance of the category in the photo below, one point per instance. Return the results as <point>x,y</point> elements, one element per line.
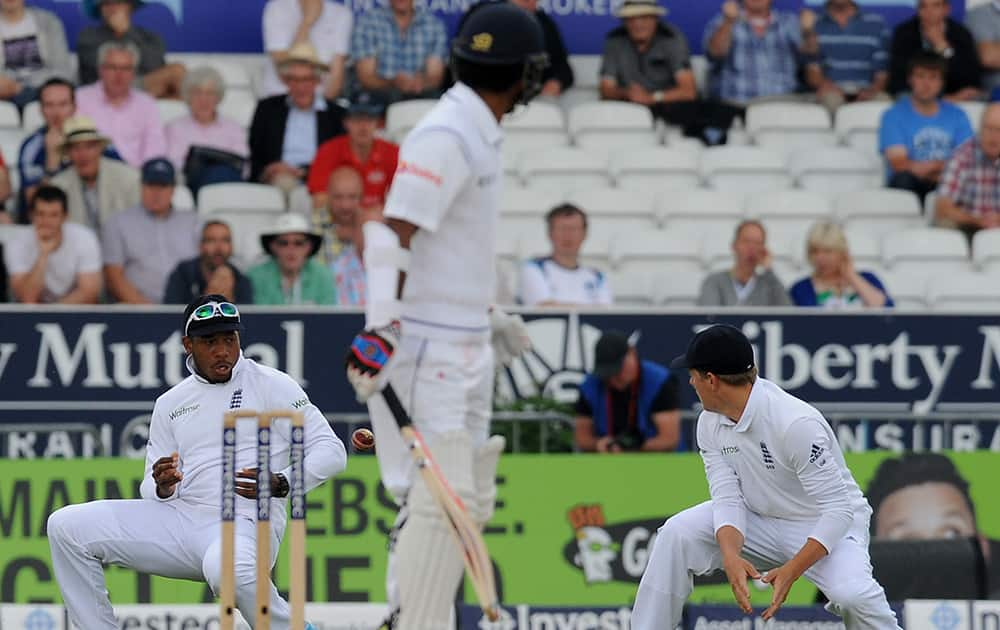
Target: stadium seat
<point>926,251</point>
<point>508,243</point>
<point>586,71</point>
<point>789,210</point>
<point>401,116</point>
<point>655,168</point>
<point>10,118</point>
<point>183,199</point>
<point>615,210</point>
<point>246,226</point>
<point>677,290</point>
<point>237,72</point>
<point>170,109</point>
<point>11,231</point>
<point>878,211</point>
<point>631,289</point>
<point>300,202</point>
<point>565,168</point>
<point>240,196</point>
<point>865,248</point>
<point>974,110</point>
<point>10,145</point>
<point>744,169</point>
<point>986,250</point>
<point>786,127</point>
<point>511,164</point>
<point>528,206</point>
<point>646,252</point>
<point>31,117</point>
<point>964,291</point>
<point>537,126</point>
<point>834,169</point>
<point>787,244</point>
<point>709,210</point>
<point>700,67</point>
<point>907,290</point>
<point>238,106</point>
<point>857,124</point>
<point>610,125</point>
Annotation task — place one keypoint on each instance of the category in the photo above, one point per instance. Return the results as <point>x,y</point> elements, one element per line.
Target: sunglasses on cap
<point>209,311</point>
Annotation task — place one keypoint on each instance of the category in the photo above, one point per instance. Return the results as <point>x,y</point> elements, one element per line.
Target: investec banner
<point>92,375</point>
<point>569,530</point>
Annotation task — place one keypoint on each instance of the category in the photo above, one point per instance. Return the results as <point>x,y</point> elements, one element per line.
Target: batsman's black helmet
<point>502,34</point>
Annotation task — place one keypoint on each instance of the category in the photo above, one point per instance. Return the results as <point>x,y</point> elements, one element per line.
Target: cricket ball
<point>363,439</point>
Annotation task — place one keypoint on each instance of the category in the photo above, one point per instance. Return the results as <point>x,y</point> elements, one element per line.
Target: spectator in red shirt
<point>373,157</point>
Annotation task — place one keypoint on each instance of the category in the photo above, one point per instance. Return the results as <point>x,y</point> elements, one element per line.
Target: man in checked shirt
<point>782,498</point>
<point>968,196</point>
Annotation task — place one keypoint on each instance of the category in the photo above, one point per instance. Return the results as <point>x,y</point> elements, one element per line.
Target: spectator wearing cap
<point>750,282</point>
<point>206,146</point>
<point>400,51</point>
<point>288,129</point>
<point>40,157</point>
<point>211,271</point>
<point>646,60</point>
<point>371,156</point>
<point>835,283</point>
<point>128,116</point>
<point>143,244</point>
<point>968,195</point>
<point>627,404</point>
<point>853,61</point>
<point>756,52</point>
<point>931,30</point>
<point>558,75</point>
<point>157,77</point>
<point>60,262</point>
<point>34,50</point>
<point>323,23</point>
<point>559,279</point>
<point>97,187</point>
<point>291,275</point>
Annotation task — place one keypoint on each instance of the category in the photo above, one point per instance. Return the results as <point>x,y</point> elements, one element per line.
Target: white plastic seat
<point>540,120</point>
<point>786,127</point>
<point>835,169</point>
<point>246,227</point>
<point>511,163</point>
<point>878,211</point>
<point>170,109</point>
<point>677,290</point>
<point>565,169</point>
<point>9,116</point>
<point>631,289</point>
<point>10,145</point>
<point>239,106</point>
<point>907,290</point>
<point>655,168</point>
<point>529,202</point>
<point>236,72</point>
<point>964,291</point>
<point>183,199</point>
<point>857,124</point>
<point>986,250</point>
<point>974,110</point>
<point>401,116</point>
<point>796,210</point>
<point>611,125</point>
<point>508,241</point>
<point>744,169</point>
<point>11,231</point>
<point>615,209</point>
<point>927,251</point>
<point>31,117</point>
<point>646,251</point>
<point>865,248</point>
<point>708,210</point>
<point>240,196</point>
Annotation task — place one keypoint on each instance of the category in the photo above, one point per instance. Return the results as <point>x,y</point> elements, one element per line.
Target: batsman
<point>431,269</point>
<point>175,529</point>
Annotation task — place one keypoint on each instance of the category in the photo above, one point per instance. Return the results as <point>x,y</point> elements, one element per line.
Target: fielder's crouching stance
<point>175,530</point>
<point>782,499</point>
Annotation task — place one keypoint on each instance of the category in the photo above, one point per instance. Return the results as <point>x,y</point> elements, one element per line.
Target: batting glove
<point>509,336</point>
<point>367,357</point>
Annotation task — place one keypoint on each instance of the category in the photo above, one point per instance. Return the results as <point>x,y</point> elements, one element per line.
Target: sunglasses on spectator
<point>291,242</point>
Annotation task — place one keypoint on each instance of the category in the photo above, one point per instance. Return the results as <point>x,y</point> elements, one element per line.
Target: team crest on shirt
<point>766,456</point>
<point>237,400</point>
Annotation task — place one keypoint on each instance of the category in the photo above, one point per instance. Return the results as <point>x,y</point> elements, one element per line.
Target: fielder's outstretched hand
<point>167,474</point>
<point>738,571</point>
<point>781,579</point>
<point>367,357</point>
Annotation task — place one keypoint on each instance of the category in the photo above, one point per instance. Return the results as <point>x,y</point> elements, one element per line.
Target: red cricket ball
<point>363,439</point>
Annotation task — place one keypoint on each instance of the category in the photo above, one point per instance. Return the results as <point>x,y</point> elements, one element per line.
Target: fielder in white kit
<point>430,271</point>
<point>175,530</point>
<point>782,499</point>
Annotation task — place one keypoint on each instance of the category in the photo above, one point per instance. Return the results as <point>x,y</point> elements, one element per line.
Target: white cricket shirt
<point>187,419</point>
<point>447,183</point>
<point>545,280</point>
<point>780,460</point>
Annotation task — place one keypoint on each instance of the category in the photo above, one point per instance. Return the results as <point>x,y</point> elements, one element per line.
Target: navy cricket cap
<point>159,172</point>
<point>610,353</point>
<point>366,104</point>
<point>719,349</point>
<point>211,314</point>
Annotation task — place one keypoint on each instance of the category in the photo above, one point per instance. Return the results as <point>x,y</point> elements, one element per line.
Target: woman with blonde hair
<point>834,282</point>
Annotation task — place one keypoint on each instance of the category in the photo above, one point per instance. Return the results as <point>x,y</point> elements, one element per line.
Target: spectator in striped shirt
<point>968,196</point>
<point>756,52</point>
<point>853,56</point>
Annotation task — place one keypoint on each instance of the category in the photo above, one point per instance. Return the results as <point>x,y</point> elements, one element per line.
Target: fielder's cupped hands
<point>167,474</point>
<point>738,570</point>
<point>781,580</point>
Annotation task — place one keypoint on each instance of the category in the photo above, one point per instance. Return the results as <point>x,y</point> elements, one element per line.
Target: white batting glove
<point>509,336</point>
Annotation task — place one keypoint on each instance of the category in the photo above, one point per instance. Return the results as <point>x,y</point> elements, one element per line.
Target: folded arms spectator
<point>918,134</point>
<point>33,51</point>
<point>287,129</point>
<point>324,24</point>
<point>931,30</point>
<point>400,50</point>
<point>211,272</point>
<point>97,187</point>
<point>158,78</point>
<point>835,283</point>
<point>968,196</point>
<point>60,261</point>
<point>291,275</point>
<point>750,282</point>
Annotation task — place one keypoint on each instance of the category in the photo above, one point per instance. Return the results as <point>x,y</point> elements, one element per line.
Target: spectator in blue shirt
<point>835,283</point>
<point>399,51</point>
<point>920,132</point>
<point>853,56</point>
<point>756,52</point>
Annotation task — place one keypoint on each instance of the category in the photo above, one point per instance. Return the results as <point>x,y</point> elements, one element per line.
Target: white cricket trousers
<point>685,546</point>
<point>173,539</point>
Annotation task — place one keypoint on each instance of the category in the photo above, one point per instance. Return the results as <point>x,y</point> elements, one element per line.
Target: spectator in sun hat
<point>626,403</point>
<point>325,24</point>
<point>157,77</point>
<point>291,275</point>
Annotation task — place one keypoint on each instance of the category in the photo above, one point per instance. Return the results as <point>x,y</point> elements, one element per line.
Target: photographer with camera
<point>627,404</point>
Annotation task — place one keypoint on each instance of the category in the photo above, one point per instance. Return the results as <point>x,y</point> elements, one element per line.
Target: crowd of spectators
<point>328,80</point>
